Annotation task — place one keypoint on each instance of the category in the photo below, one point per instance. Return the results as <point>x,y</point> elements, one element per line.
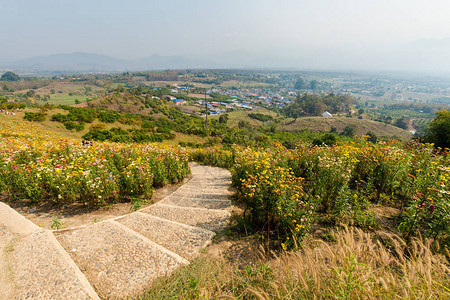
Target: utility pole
<point>206,110</point>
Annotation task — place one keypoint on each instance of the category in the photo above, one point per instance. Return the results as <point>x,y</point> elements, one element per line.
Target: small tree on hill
<point>223,119</point>
<point>10,76</point>
<point>349,130</point>
<point>300,84</point>
<point>438,130</point>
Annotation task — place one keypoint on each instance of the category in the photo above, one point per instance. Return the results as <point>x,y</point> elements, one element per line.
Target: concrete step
<point>116,260</point>
<point>204,189</point>
<point>202,193</point>
<point>179,238</point>
<point>210,219</point>
<point>33,265</point>
<point>196,202</point>
<point>213,184</point>
<point>43,270</point>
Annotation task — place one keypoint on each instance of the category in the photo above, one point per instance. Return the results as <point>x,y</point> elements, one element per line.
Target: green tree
<point>438,130</point>
<point>10,76</point>
<point>223,119</point>
<point>349,130</point>
<point>314,85</point>
<point>372,137</point>
<point>300,84</point>
<point>401,123</point>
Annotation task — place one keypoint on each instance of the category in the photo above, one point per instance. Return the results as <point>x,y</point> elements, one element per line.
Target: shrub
<point>35,117</point>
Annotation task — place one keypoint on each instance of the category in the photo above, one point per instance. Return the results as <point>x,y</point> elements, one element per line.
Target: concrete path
<point>116,258</point>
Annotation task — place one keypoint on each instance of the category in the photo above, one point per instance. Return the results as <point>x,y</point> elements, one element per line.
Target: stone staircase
<point>116,258</point>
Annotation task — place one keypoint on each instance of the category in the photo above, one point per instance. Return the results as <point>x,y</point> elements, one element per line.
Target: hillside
<point>362,126</point>
<point>318,123</point>
<point>295,197</point>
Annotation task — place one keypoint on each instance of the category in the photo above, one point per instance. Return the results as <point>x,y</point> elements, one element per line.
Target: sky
<point>332,34</point>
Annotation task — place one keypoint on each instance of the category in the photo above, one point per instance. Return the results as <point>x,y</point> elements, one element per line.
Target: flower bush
<point>42,167</point>
<point>283,190</point>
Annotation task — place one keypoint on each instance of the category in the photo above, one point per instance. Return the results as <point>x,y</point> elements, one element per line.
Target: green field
<point>65,99</point>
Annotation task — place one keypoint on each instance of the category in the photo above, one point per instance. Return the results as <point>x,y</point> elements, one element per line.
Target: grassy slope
<point>59,129</point>
<point>240,115</point>
<point>362,126</point>
<point>320,123</point>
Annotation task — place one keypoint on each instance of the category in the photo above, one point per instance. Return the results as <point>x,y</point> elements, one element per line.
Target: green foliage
<point>401,123</point>
<point>348,282</point>
<point>69,125</point>
<point>327,139</point>
<point>260,117</point>
<point>10,76</point>
<point>223,118</point>
<point>119,135</point>
<point>340,182</point>
<point>372,137</point>
<point>56,223</point>
<point>300,84</point>
<point>108,116</point>
<point>96,175</point>
<point>349,130</point>
<point>438,130</point>
<point>35,117</point>
<point>308,104</point>
<point>84,115</point>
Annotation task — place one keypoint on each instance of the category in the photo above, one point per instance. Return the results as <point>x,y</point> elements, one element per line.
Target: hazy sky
<point>334,33</point>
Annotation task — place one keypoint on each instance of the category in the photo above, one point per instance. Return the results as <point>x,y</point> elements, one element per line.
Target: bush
<point>97,175</point>
<point>35,117</point>
<point>340,183</point>
<point>108,116</point>
<point>438,130</point>
<point>260,117</point>
<point>69,125</point>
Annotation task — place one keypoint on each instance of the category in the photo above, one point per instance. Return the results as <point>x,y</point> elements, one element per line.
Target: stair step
<point>179,238</point>
<point>196,202</point>
<point>43,270</point>
<point>203,183</point>
<point>205,189</point>
<point>118,261</point>
<point>202,194</point>
<point>211,219</point>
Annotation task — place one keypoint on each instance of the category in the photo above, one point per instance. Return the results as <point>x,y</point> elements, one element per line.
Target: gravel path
<point>120,257</point>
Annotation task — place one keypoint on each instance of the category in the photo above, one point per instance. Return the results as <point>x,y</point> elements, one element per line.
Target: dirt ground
<point>74,215</point>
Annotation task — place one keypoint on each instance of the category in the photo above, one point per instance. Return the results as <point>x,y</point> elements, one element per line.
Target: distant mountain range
<point>79,62</point>
<point>425,55</point>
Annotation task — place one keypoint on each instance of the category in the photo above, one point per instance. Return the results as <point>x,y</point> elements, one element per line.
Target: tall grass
<point>356,266</point>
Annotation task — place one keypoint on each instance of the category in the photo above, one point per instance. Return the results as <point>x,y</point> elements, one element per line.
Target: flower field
<point>284,190</point>
<point>40,166</point>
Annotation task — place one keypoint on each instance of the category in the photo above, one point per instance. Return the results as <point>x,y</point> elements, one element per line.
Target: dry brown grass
<point>356,266</point>
<point>362,126</point>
